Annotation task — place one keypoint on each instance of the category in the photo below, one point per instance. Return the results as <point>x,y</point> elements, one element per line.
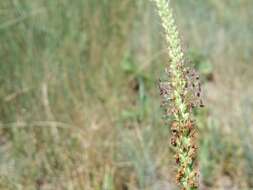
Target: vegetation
<point>79,99</point>
<point>181,93</point>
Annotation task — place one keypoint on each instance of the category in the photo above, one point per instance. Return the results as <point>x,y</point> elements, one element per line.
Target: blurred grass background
<point>79,103</point>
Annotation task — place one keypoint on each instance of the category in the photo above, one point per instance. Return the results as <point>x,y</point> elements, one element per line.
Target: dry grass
<point>79,106</point>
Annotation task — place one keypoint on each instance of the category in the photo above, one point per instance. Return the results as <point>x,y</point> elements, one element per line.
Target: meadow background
<point>79,98</point>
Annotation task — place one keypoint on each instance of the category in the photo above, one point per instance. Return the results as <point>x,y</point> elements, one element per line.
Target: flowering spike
<point>181,93</point>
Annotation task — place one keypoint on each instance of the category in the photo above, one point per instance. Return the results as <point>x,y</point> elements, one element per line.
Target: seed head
<point>181,92</point>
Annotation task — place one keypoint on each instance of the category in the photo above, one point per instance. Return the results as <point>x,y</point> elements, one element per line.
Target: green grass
<point>79,103</point>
